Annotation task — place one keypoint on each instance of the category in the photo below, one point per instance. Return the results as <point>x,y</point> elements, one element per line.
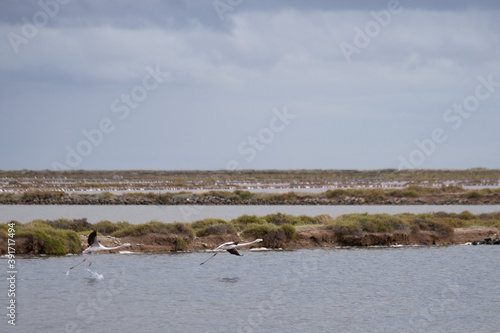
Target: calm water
<point>190,213</point>
<point>410,289</point>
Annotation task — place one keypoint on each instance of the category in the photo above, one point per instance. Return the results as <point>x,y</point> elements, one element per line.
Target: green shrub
<point>106,227</point>
<point>455,222</point>
<point>324,219</point>
<point>77,225</point>
<point>180,229</point>
<point>279,219</point>
<point>180,244</point>
<point>6,196</point>
<point>155,227</point>
<point>409,193</point>
<point>442,227</point>
<point>305,220</point>
<point>248,219</point>
<point>257,230</point>
<point>107,195</point>
<point>374,195</point>
<point>4,227</point>
<point>337,193</point>
<point>489,216</point>
<point>275,238</point>
<point>218,194</point>
<point>474,195</point>
<point>201,224</point>
<point>289,230</point>
<point>42,195</point>
<point>164,197</point>
<point>50,243</point>
<point>488,220</point>
<point>47,240</point>
<point>216,229</point>
<point>346,226</point>
<point>36,224</point>
<point>444,214</point>
<point>241,222</point>
<point>142,229</point>
<point>289,196</point>
<point>137,230</point>
<point>356,224</point>
<point>427,222</point>
<point>466,215</point>
<point>383,223</point>
<point>123,224</point>
<point>272,235</point>
<point>244,195</point>
<point>132,194</point>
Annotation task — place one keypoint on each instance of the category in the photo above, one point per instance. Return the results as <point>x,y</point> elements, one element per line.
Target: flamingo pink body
<point>95,246</point>
<point>231,248</point>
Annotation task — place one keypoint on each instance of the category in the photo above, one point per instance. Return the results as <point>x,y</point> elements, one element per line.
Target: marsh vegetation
<point>62,236</point>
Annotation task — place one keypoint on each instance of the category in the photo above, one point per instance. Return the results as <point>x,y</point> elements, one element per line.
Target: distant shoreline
<point>192,180</point>
<point>412,195</point>
<point>476,186</point>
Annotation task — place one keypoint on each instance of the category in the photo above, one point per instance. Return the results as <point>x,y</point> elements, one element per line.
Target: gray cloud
<point>227,77</point>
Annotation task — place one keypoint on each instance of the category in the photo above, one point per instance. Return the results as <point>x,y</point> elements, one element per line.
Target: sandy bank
<point>307,238</point>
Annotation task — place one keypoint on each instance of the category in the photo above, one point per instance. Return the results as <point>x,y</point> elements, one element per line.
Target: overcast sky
<point>245,84</point>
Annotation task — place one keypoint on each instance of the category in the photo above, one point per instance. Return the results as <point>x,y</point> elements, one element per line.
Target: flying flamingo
<point>231,248</point>
<point>95,246</point>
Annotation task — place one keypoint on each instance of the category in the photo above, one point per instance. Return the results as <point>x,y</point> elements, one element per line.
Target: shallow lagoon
<point>406,289</point>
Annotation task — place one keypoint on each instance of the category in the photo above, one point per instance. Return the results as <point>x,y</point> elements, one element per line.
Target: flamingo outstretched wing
<point>234,251</point>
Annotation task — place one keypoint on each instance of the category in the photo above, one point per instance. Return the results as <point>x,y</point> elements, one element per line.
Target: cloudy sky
<point>249,84</point>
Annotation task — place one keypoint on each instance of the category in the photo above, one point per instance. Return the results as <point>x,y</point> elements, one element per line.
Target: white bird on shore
<point>231,248</point>
<point>95,246</point>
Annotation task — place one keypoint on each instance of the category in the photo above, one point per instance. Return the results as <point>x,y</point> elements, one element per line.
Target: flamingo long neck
<point>255,241</point>
<point>116,247</point>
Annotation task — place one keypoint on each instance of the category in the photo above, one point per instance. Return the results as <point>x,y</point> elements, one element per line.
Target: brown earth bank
<point>308,238</point>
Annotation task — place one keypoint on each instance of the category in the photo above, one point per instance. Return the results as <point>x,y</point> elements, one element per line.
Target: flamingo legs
<point>81,262</point>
